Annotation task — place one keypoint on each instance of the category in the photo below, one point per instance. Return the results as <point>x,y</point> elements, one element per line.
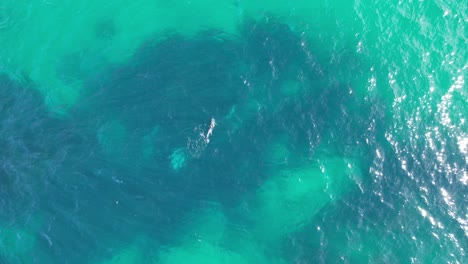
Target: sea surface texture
<point>233,131</point>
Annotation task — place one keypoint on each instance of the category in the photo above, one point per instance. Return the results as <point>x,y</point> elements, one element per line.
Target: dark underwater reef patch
<point>24,122</point>
<point>56,185</point>
<point>179,84</point>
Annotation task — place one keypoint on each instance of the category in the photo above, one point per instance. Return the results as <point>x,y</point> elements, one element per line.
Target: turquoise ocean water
<point>232,131</point>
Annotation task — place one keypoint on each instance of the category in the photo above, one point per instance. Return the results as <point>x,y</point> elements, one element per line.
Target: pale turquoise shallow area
<point>231,131</point>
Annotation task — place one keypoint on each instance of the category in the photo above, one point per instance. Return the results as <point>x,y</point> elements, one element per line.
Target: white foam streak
<point>210,130</point>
